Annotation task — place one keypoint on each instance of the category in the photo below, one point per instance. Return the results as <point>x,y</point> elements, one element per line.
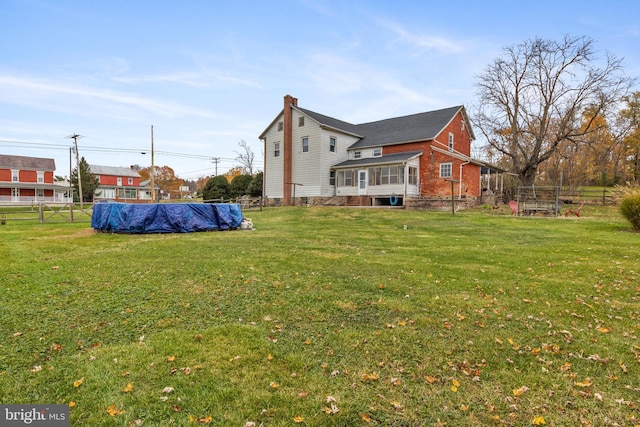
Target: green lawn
<point>328,316</point>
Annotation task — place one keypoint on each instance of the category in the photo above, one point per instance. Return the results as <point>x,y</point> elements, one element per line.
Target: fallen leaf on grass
<point>17,334</point>
<point>36,368</point>
<point>370,377</point>
<point>78,383</point>
<point>430,379</point>
<point>586,383</point>
<point>274,385</point>
<point>128,388</point>
<point>397,405</point>
<point>538,421</point>
<point>366,418</point>
<point>171,358</point>
<point>332,410</point>
<point>113,411</point>
<point>603,329</point>
<point>168,390</point>
<point>298,419</point>
<point>204,420</point>
<point>72,404</point>
<point>520,391</point>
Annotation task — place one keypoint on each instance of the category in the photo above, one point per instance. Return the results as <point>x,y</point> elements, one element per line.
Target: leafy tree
<point>255,186</point>
<point>217,188</point>
<point>631,113</point>
<point>89,181</point>
<point>164,178</point>
<point>532,99</point>
<point>239,185</point>
<point>233,172</point>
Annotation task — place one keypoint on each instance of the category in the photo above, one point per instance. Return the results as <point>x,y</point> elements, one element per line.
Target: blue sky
<point>207,74</point>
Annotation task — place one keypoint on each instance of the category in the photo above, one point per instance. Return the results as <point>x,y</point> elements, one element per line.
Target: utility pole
<point>216,160</point>
<point>153,171</point>
<point>75,137</point>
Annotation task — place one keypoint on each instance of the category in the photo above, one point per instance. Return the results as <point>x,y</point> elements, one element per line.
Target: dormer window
<point>357,154</point>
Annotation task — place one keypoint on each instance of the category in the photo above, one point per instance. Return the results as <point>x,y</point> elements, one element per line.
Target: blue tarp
<point>165,218</point>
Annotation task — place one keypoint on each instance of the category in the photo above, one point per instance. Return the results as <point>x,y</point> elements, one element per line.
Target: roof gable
<point>26,163</point>
<point>415,127</point>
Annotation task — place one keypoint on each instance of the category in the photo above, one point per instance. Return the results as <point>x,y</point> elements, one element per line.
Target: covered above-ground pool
<point>165,217</point>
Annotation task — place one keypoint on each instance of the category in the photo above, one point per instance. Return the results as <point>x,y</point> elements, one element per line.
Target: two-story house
<point>118,183</point>
<point>29,180</point>
<point>312,158</point>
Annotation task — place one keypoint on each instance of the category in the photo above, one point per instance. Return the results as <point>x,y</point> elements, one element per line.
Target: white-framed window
<point>462,125</point>
<point>99,179</point>
<point>445,170</point>
<point>305,144</point>
<point>15,175</point>
<point>300,121</point>
<point>386,175</point>
<point>332,177</point>
<point>276,149</point>
<point>450,141</point>
<point>40,194</point>
<point>130,181</point>
<point>40,176</point>
<point>357,154</point>
<point>280,126</point>
<point>119,181</point>
<point>345,178</point>
<point>413,175</point>
<point>377,152</point>
<point>332,144</point>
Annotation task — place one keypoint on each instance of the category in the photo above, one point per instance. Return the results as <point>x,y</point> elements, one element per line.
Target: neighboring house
<point>29,180</point>
<point>118,183</point>
<point>312,158</point>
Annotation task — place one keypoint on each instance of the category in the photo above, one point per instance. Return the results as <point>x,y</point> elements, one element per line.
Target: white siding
<point>273,168</point>
<point>306,168</point>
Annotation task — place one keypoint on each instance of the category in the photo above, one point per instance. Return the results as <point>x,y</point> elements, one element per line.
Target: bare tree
<point>532,100</point>
<point>245,157</point>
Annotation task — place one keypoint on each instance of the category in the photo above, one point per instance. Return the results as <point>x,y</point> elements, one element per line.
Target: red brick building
<point>312,158</point>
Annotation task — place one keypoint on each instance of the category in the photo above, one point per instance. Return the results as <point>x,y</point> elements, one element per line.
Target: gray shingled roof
<point>415,127</point>
<point>113,171</point>
<point>389,158</point>
<point>26,163</point>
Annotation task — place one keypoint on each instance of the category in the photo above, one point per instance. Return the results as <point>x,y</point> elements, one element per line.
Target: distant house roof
<point>26,163</point>
<point>397,130</point>
<point>382,160</point>
<point>113,171</point>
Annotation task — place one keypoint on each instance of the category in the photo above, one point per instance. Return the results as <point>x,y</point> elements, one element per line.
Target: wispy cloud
<point>83,100</point>
<point>194,79</point>
<point>422,41</point>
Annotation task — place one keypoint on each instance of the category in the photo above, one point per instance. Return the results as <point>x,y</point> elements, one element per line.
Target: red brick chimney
<point>289,102</point>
